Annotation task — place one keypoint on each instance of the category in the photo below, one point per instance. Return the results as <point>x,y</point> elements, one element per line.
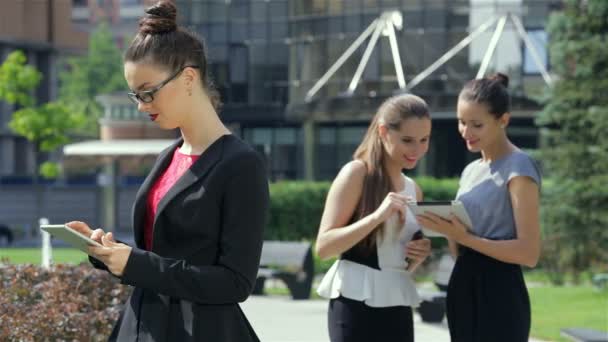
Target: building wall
<point>40,22</point>
<point>246,47</point>
<point>61,203</point>
<point>322,30</point>
<point>122,15</point>
<point>256,60</point>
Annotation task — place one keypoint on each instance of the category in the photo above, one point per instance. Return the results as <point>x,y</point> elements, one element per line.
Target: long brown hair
<point>377,183</point>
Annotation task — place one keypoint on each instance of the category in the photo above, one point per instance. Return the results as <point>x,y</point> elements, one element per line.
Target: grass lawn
<point>34,255</point>
<point>554,308</point>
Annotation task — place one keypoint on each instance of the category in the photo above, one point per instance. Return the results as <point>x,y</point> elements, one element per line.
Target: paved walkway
<point>281,319</point>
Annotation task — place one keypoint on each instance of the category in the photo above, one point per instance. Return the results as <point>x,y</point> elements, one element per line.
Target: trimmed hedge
<point>296,206</point>
<point>68,303</point>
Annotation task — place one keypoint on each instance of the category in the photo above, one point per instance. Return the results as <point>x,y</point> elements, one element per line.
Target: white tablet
<point>442,209</point>
<point>70,236</point>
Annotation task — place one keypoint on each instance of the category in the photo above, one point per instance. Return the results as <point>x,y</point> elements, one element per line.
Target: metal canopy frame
<point>391,20</point>
<point>385,24</point>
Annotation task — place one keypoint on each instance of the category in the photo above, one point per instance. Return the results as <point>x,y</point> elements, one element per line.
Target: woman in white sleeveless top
<point>366,222</point>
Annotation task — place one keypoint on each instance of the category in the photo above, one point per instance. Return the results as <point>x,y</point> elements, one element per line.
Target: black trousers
<point>487,300</point>
<point>353,321</point>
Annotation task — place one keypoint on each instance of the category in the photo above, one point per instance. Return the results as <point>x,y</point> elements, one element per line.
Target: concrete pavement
<point>281,319</point>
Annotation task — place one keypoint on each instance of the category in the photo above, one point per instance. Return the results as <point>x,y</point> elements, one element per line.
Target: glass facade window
<point>198,12</point>
<point>282,148</point>
<point>326,153</point>
<point>279,31</point>
<point>218,33</point>
<point>352,6</point>
<point>259,11</point>
<point>335,147</point>
<point>238,64</point>
<point>278,10</point>
<point>239,32</point>
<point>239,11</point>
<point>259,31</point>
<point>539,39</point>
<point>285,154</point>
<point>265,55</point>
<point>246,47</point>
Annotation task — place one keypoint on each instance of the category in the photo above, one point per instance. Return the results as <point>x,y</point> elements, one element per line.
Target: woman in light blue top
<point>487,299</point>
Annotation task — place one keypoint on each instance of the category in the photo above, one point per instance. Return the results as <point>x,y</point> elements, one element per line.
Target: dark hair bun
<point>160,18</point>
<point>500,78</point>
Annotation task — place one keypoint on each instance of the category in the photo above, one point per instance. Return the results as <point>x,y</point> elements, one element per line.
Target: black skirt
<point>353,321</point>
<point>487,300</point>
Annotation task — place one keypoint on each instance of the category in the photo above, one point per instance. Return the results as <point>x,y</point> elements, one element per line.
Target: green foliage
<point>575,147</point>
<point>47,125</point>
<point>49,170</point>
<point>17,79</point>
<point>296,207</point>
<point>98,72</point>
<point>295,210</point>
<point>438,189</point>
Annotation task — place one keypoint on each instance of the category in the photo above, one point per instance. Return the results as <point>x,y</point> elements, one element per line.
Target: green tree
<point>47,126</point>
<point>97,72</point>
<point>575,148</point>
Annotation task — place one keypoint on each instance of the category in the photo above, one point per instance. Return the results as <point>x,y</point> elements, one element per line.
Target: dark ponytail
<point>160,41</point>
<point>491,91</point>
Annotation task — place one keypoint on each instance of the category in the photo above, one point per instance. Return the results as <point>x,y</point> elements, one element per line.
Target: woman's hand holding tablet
<point>75,238</point>
<point>431,213</point>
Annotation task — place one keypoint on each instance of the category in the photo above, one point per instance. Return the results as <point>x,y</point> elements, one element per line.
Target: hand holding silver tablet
<point>69,235</point>
<point>443,209</point>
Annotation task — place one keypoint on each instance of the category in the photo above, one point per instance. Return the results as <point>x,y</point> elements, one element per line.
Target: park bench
<point>432,307</point>
<point>6,235</point>
<point>600,281</point>
<point>289,261</point>
<point>584,335</point>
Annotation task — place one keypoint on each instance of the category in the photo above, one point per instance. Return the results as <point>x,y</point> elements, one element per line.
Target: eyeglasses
<point>147,96</point>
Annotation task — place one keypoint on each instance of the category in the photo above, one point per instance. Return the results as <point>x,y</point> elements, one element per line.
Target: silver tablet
<point>69,235</point>
<point>442,209</point>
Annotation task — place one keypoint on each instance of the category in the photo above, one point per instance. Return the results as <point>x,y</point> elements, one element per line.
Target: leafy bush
<point>296,206</point>
<point>295,210</point>
<point>575,141</point>
<point>67,303</point>
<point>438,189</point>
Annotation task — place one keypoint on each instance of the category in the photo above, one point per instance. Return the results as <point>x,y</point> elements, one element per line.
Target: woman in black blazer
<point>198,218</point>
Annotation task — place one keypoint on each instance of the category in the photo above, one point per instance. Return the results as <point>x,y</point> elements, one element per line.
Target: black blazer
<point>205,253</point>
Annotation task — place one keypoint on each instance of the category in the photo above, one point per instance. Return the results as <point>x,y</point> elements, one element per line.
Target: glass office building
<point>249,61</point>
<point>266,55</point>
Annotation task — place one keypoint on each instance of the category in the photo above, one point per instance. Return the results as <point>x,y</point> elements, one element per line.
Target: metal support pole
<point>321,82</point>
<point>392,38</point>
<point>519,27</point>
<point>491,47</point>
<point>451,53</point>
<point>368,52</point>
